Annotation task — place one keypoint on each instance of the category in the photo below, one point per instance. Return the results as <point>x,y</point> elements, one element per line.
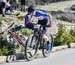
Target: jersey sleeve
<point>27,19</point>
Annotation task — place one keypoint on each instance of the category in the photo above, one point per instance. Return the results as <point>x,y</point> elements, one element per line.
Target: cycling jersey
<point>40,15</point>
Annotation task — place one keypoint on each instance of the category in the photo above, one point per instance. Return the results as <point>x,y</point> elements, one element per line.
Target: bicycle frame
<point>39,35</point>
<point>15,37</point>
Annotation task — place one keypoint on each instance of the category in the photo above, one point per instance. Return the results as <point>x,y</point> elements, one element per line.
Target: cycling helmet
<point>30,8</point>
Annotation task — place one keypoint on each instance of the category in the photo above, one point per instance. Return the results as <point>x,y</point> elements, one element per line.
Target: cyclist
<point>43,19</point>
<point>3,3</point>
<point>8,6</point>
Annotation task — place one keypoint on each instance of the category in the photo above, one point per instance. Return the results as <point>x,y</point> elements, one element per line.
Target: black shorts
<point>3,4</point>
<point>0,10</point>
<point>42,22</point>
<point>22,2</point>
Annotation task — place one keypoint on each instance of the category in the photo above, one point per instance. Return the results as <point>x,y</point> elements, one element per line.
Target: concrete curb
<point>2,59</point>
<point>57,48</point>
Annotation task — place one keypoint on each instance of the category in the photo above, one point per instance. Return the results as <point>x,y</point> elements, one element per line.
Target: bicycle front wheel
<point>31,48</point>
<point>47,46</point>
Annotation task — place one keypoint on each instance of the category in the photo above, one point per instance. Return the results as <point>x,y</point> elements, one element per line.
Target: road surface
<point>63,57</point>
<point>57,5</point>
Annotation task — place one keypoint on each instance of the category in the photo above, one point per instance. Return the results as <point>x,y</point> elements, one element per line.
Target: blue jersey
<point>40,15</point>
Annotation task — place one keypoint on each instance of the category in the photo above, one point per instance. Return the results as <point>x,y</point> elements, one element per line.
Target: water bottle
<point>48,46</point>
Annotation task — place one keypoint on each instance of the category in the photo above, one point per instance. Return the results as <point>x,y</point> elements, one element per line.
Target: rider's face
<point>32,13</point>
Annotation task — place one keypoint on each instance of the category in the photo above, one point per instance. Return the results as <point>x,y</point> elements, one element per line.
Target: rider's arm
<point>27,20</point>
<point>49,21</point>
<point>42,14</point>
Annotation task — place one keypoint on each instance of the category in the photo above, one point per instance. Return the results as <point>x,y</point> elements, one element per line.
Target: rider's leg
<point>3,8</point>
<point>30,26</point>
<point>43,23</point>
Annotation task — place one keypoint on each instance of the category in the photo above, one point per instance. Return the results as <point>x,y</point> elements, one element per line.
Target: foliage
<point>1,20</point>
<point>5,47</point>
<point>0,24</point>
<point>72,32</point>
<point>26,31</point>
<point>63,36</point>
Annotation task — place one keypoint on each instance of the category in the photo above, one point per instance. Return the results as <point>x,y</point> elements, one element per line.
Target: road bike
<point>36,42</point>
<point>20,39</point>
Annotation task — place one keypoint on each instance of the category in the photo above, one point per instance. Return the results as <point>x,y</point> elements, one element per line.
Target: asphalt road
<point>63,57</point>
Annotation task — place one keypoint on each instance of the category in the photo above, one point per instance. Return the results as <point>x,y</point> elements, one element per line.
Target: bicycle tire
<point>11,56</point>
<point>32,55</point>
<point>46,52</point>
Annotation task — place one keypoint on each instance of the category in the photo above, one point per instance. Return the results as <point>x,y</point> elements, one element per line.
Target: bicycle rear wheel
<point>47,46</point>
<point>31,48</point>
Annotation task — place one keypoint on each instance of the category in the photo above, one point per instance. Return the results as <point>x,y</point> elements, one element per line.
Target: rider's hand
<point>49,25</point>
